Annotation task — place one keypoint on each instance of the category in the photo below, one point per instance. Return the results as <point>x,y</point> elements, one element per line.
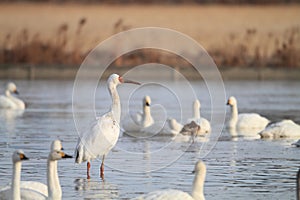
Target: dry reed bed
<point>233,45</point>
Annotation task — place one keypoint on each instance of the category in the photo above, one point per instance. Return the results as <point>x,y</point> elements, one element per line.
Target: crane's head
<point>115,79</point>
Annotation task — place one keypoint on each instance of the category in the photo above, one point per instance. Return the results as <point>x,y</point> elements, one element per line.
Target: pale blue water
<point>243,169</point>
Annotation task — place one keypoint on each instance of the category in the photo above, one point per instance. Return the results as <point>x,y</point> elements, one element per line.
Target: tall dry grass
<point>29,48</point>
<point>248,49</point>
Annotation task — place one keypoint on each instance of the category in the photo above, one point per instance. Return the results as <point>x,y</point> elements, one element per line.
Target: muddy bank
<point>69,72</point>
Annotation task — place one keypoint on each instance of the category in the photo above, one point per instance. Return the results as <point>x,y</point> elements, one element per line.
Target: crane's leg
<point>88,166</point>
<point>102,169</point>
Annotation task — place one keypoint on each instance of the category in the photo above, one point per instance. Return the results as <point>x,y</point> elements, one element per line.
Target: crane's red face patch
<point>121,79</point>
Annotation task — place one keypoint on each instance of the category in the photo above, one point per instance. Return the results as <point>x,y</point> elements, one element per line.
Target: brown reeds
<point>250,49</point>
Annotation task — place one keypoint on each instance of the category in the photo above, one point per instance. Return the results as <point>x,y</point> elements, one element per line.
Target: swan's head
<point>200,167</point>
<point>197,104</point>
<point>12,88</point>
<point>147,101</point>
<point>115,80</point>
<point>56,145</point>
<point>231,101</point>
<point>172,122</point>
<point>57,155</point>
<point>18,156</point>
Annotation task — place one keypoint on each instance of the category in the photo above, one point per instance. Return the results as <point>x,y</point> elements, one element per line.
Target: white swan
<point>282,129</point>
<point>202,122</point>
<point>245,124</point>
<point>13,191</point>
<point>51,191</point>
<point>140,120</point>
<point>8,101</point>
<point>103,135</point>
<point>197,191</point>
<point>172,127</point>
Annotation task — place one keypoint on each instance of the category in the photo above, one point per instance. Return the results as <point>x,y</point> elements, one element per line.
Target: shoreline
<point>59,72</point>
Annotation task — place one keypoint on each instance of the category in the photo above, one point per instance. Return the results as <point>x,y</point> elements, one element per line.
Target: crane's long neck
<point>234,115</point>
<point>197,192</point>
<point>54,189</point>
<point>15,187</point>
<point>116,105</point>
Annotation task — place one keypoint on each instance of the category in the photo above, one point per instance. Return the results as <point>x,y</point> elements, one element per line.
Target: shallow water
<point>236,169</point>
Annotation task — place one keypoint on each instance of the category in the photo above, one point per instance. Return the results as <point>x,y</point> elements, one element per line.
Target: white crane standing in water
<point>102,136</point>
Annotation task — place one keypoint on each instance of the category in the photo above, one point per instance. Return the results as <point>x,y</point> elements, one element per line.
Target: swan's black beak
<point>147,104</point>
<point>23,157</point>
<point>16,92</point>
<point>228,103</point>
<point>67,156</point>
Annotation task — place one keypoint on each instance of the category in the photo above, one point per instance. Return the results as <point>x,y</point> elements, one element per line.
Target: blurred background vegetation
<point>68,41</point>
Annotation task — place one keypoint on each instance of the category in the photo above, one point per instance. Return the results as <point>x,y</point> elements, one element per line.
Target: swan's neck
<point>7,93</point>
<point>15,187</point>
<point>116,105</point>
<point>234,116</point>
<point>147,118</point>
<point>196,113</point>
<point>19,103</point>
<point>197,192</point>
<point>54,189</point>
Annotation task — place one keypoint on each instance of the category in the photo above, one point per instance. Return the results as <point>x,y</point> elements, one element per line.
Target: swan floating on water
<point>174,127</point>
<point>103,135</point>
<point>283,129</point>
<point>202,122</point>
<point>140,120</point>
<point>36,190</point>
<point>8,101</point>
<point>246,124</point>
<point>170,194</point>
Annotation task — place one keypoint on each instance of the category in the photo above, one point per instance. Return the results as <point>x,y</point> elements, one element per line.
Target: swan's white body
<point>202,122</point>
<point>197,191</point>
<point>172,127</point>
<point>175,126</point>
<point>103,135</point>
<point>282,129</point>
<point>8,101</point>
<point>140,120</point>
<point>245,124</point>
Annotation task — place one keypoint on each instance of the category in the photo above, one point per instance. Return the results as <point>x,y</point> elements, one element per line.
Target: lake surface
<point>236,168</point>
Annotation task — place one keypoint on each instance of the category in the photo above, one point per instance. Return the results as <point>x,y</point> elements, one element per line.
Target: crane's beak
<point>122,80</point>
